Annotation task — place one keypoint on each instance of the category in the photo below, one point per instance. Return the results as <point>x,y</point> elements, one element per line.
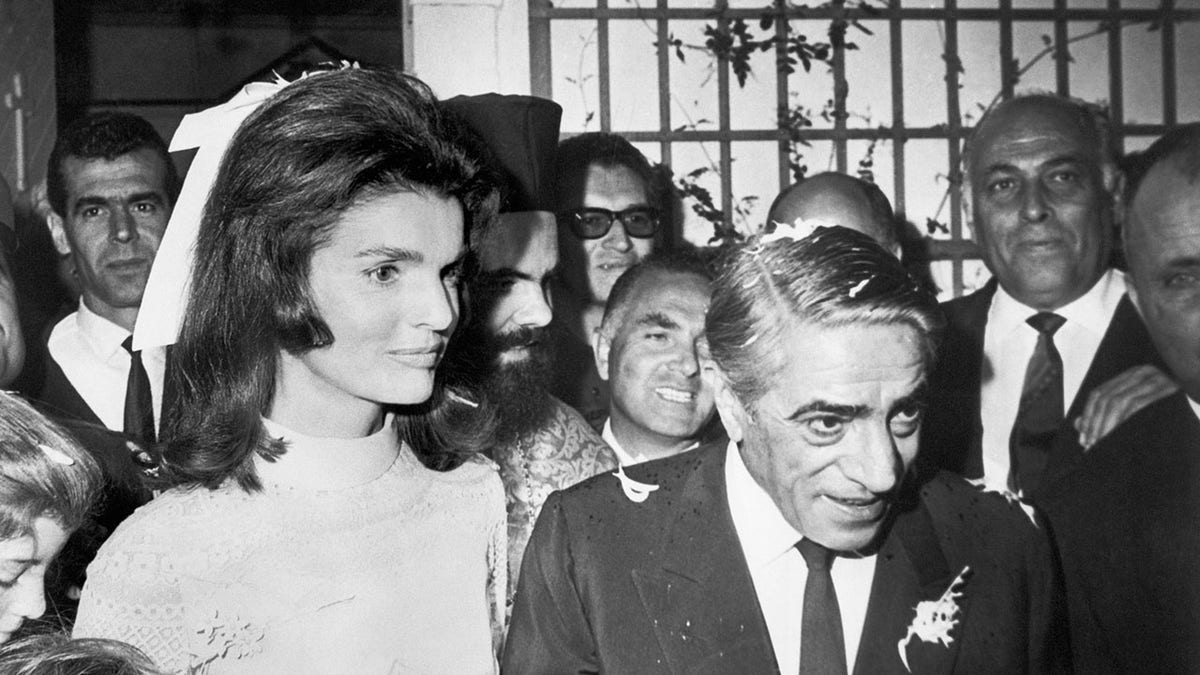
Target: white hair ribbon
<point>166,291</point>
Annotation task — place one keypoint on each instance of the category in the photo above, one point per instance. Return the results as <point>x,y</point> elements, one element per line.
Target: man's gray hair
<point>834,277</point>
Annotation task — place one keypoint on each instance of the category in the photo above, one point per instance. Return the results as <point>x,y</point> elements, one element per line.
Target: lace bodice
<point>404,573</point>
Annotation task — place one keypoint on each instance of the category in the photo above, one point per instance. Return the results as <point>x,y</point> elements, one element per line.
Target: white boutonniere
<point>795,231</point>
<point>634,491</point>
<point>935,618</point>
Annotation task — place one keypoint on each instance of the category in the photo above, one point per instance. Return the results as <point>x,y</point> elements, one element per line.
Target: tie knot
<point>816,556</point>
<point>1046,323</point>
<point>127,344</point>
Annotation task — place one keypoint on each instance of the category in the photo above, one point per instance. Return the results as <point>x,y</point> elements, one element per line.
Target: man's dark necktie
<point>822,646</point>
<point>1041,408</point>
<point>139,405</point>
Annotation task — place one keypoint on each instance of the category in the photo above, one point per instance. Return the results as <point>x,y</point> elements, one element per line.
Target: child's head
<point>47,486</point>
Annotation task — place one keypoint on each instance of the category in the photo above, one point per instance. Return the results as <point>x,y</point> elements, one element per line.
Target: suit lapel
<point>911,568</point>
<point>702,600</point>
<point>952,436</point>
<point>61,398</point>
<point>1126,343</point>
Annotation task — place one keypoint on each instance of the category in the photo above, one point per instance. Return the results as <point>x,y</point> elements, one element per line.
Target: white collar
<point>763,531</point>
<point>1093,310</point>
<point>1195,406</point>
<point>102,335</point>
<point>329,463</point>
<point>624,458</point>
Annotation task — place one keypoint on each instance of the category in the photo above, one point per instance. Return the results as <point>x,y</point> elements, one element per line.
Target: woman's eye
<point>384,273</point>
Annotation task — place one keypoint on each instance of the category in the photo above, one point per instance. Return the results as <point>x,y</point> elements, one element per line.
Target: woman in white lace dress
<point>303,534</point>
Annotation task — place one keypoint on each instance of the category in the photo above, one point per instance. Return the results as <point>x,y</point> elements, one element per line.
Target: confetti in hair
<point>859,287</point>
<point>56,456</point>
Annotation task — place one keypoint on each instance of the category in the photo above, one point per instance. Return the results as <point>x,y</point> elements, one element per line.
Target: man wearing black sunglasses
<point>608,220</point>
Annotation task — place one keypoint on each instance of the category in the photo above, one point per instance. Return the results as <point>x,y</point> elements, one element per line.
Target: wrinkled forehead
<point>847,360</point>
<point>681,294</point>
<point>1036,125</point>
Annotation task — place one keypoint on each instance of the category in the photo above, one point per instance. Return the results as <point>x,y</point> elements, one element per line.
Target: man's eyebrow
<point>1182,262</point>
<point>88,200</point>
<point>1057,160</point>
<point>656,320</point>
<point>828,407</point>
<point>919,395</point>
<point>505,273</point>
<point>148,196</point>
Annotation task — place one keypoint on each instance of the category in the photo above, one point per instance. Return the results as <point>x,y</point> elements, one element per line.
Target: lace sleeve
<point>132,594</point>
<point>497,553</point>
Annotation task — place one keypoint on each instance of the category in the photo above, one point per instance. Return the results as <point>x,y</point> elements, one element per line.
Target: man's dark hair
<point>1179,146</point>
<point>682,261</point>
<point>313,150</point>
<point>106,136</point>
<point>606,150</point>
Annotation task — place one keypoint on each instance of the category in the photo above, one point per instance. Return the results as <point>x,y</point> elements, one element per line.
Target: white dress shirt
<point>88,349</point>
<point>1008,343</point>
<point>625,457</point>
<point>780,573</point>
<point>1195,408</point>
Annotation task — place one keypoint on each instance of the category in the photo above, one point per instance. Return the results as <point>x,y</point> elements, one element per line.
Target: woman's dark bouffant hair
<point>311,151</point>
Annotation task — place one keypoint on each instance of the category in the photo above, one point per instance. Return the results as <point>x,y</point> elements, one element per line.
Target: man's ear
<point>58,232</point>
<point>601,346</point>
<point>729,408</point>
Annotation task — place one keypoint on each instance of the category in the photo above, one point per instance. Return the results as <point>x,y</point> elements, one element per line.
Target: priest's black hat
<point>520,135</point>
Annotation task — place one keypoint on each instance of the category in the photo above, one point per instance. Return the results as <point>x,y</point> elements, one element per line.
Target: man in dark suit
<point>1127,521</point>
<point>111,186</point>
<point>1052,336</point>
<point>803,545</point>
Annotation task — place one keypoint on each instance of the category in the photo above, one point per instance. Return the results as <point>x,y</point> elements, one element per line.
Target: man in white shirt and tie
<point>646,348</point>
<point>1050,354</point>
<point>805,543</point>
<point>111,185</point>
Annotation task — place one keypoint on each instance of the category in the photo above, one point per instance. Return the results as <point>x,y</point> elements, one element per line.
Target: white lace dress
<point>403,572</point>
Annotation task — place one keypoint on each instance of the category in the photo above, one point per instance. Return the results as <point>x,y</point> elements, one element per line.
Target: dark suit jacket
<point>952,432</point>
<point>1127,525</point>
<point>125,485</point>
<point>609,585</point>
<point>125,489</point>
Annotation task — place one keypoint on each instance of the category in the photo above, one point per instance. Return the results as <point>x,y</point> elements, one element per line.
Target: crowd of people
<point>392,384</point>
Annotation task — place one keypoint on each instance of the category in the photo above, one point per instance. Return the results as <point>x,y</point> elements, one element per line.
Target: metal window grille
<point>1142,57</point>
